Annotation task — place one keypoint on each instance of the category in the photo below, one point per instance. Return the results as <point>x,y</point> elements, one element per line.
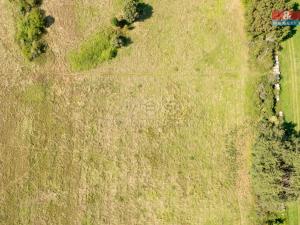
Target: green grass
<point>95,50</point>
<point>163,138</point>
<point>290,99</point>
<point>290,68</point>
<point>292,213</point>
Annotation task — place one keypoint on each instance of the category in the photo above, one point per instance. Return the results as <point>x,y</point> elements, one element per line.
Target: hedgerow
<point>265,38</point>
<point>276,152</point>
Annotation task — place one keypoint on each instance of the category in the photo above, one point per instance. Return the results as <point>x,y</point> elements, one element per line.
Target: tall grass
<point>97,49</point>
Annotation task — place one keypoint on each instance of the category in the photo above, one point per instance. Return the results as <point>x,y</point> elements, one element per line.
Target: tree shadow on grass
<point>126,41</point>
<point>145,11</point>
<point>122,23</point>
<point>295,6</point>
<point>39,2</point>
<point>49,21</point>
<point>290,130</point>
<point>293,30</point>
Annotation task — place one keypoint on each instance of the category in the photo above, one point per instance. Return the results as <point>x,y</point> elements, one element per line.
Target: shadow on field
<point>293,30</point>
<point>290,130</point>
<point>125,41</point>
<point>49,21</point>
<point>38,2</point>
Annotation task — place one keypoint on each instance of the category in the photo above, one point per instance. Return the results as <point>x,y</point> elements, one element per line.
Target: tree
<point>265,38</point>
<point>29,32</point>
<point>130,10</point>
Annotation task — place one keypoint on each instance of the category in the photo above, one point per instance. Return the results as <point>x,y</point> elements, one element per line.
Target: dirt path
<point>244,136</point>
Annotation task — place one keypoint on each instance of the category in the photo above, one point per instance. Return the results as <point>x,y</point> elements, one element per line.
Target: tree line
<point>276,152</point>
<point>266,38</point>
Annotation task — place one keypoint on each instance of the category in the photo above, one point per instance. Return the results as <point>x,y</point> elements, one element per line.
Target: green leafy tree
<point>130,10</point>
<point>276,167</point>
<point>29,32</point>
<point>265,38</point>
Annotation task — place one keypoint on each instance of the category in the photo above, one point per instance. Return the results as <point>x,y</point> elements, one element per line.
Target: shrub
<point>26,5</point>
<point>266,97</point>
<point>115,21</point>
<point>30,29</point>
<point>131,11</point>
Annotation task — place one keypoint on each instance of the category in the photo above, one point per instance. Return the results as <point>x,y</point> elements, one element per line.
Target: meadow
<point>161,134</point>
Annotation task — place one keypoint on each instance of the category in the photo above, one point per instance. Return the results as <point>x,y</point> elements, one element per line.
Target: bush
<point>26,5</point>
<point>131,12</point>
<point>115,21</point>
<point>98,48</point>
<point>30,29</point>
<point>266,97</point>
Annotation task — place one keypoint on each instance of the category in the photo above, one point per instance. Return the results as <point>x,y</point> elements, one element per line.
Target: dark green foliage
<point>266,97</point>
<point>276,219</point>
<point>130,10</point>
<point>119,40</point>
<point>276,153</point>
<point>265,38</point>
<point>276,167</point>
<point>30,29</point>
<point>31,26</point>
<point>26,5</point>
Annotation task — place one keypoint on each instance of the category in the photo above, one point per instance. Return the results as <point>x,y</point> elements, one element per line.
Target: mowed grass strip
<point>290,69</point>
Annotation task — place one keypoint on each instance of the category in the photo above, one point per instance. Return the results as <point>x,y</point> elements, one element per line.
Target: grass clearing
<point>97,49</point>
<point>163,138</point>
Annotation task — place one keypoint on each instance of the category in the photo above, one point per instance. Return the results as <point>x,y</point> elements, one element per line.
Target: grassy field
<point>159,135</point>
<point>290,95</point>
<point>293,214</point>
